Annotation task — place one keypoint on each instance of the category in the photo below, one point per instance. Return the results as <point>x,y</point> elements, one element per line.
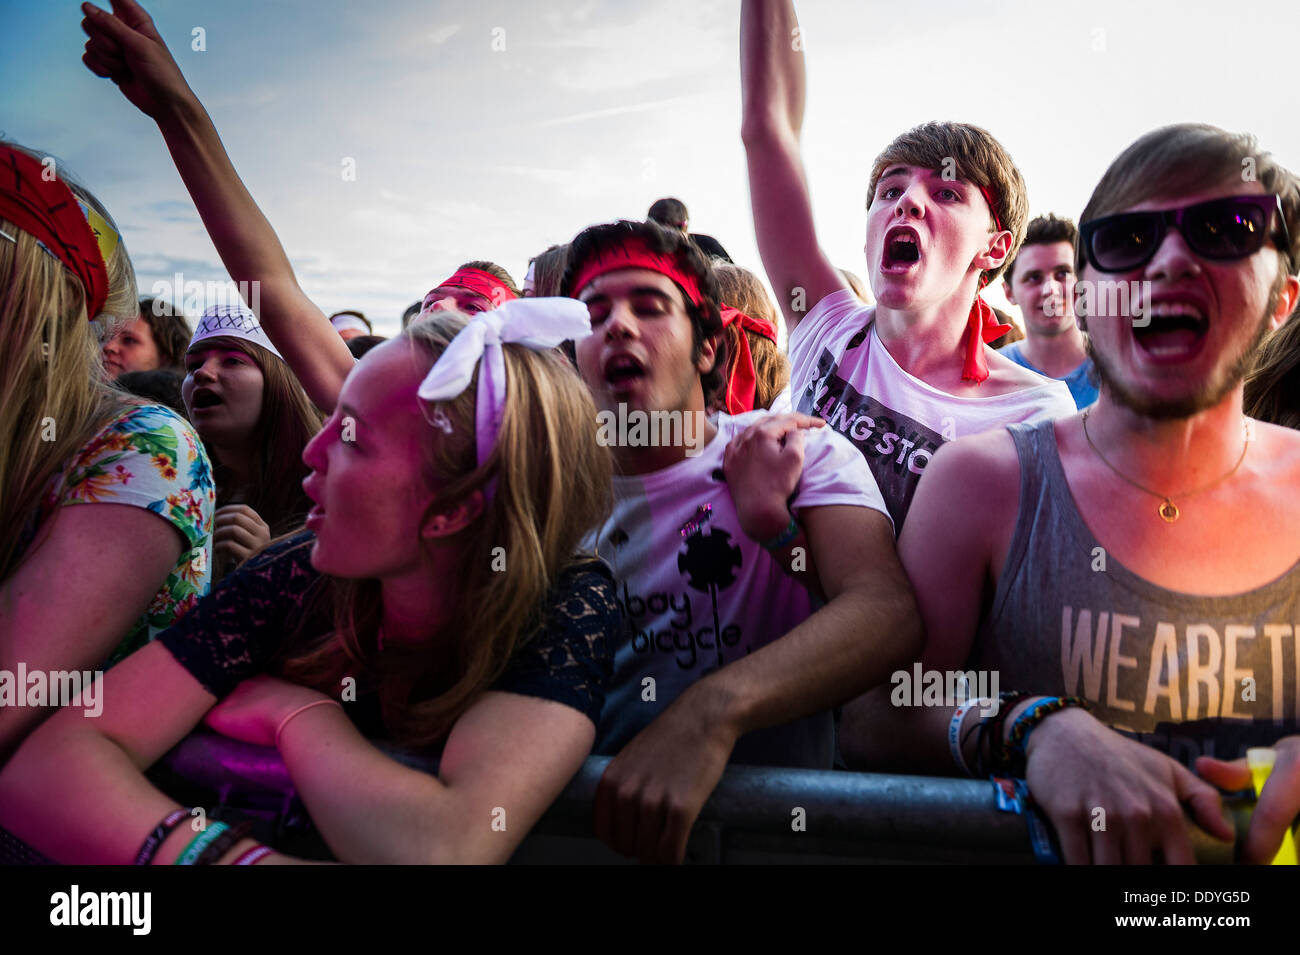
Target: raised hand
<point>125,47</point>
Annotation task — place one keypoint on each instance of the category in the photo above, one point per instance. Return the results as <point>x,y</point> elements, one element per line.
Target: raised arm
<point>127,49</point>
<point>772,94</point>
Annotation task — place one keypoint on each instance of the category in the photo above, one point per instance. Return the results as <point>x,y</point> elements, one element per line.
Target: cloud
<point>441,35</point>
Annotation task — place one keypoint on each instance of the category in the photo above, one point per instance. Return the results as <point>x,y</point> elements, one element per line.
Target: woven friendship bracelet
<point>1031,717</point>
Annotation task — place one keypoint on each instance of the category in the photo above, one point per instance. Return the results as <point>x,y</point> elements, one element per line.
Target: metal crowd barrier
<point>752,817</point>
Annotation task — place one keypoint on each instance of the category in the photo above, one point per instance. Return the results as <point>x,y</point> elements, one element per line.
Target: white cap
<point>232,321</point>
<point>344,322</point>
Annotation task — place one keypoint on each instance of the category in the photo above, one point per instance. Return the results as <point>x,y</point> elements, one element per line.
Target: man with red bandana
<point>474,287</point>
<point>727,657</point>
<point>946,210</point>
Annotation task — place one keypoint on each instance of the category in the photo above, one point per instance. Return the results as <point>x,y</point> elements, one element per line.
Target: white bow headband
<point>538,323</point>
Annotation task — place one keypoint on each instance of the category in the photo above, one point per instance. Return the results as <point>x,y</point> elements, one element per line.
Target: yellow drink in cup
<point>1261,760</point>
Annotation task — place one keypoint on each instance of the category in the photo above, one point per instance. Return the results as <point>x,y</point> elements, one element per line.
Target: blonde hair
<point>742,289</point>
<point>53,395</point>
<point>553,486</point>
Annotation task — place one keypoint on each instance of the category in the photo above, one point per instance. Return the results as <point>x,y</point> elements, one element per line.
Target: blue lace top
<point>237,631</point>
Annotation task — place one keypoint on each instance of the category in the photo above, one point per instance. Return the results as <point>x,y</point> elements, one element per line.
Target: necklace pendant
<point>1168,511</point>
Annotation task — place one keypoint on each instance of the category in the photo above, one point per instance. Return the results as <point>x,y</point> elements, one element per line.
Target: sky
<point>492,129</point>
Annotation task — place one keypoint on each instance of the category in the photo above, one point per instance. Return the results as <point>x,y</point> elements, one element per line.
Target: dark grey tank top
<point>1186,674</point>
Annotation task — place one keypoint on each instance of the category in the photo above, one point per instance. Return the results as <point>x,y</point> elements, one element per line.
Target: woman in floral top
<point>81,586</point>
<point>149,457</point>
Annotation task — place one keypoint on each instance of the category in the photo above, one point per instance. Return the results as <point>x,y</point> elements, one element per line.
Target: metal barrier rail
<point>750,818</point>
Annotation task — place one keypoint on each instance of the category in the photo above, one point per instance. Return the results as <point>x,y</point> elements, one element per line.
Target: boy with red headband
<point>945,211</point>
<point>726,658</point>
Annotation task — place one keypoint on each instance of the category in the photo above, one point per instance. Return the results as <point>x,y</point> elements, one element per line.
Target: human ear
<point>996,252</point>
<point>1285,303</point>
<point>455,519</point>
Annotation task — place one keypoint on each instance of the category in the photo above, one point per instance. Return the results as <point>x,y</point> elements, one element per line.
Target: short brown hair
<point>491,268</point>
<point>975,157</point>
<point>1044,230</point>
<point>1187,157</point>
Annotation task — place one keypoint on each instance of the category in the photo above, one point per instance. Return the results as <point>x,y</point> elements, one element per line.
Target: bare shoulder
<point>1005,376</point>
<point>976,477</point>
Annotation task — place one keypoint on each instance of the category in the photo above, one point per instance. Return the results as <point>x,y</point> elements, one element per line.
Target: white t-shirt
<point>698,593</point>
<point>841,371</point>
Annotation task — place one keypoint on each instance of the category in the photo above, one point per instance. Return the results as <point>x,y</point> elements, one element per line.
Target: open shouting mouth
<point>1175,331</point>
<point>902,251</point>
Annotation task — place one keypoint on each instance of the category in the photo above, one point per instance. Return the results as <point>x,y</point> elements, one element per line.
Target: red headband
<point>481,283</point>
<point>635,254</point>
<point>46,209</point>
<point>741,385</point>
<point>982,324</point>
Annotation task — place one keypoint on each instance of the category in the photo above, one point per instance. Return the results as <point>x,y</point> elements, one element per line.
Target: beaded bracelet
<point>223,843</point>
<point>199,843</point>
<point>1025,723</point>
<point>159,834</point>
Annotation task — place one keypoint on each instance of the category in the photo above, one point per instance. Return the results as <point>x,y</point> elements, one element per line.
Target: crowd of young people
<point>1101,514</point>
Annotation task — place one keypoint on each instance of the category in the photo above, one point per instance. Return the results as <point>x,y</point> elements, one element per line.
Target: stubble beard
<point>1161,409</point>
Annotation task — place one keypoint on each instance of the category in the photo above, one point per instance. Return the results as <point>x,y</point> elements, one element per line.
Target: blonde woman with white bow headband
<point>453,484</point>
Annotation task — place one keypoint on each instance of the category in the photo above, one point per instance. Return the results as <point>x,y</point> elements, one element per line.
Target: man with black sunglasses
<point>1131,570</point>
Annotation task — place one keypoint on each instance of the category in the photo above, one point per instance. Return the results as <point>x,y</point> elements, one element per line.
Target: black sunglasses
<point>1222,229</point>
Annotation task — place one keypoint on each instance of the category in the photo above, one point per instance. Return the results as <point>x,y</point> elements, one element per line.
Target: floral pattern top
<point>150,457</point>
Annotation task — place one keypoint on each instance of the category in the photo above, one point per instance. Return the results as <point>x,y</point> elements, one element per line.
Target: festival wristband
<point>954,731</point>
<point>284,722</point>
<point>253,856</point>
<point>199,843</point>
<point>223,843</point>
<point>785,537</point>
<point>150,847</point>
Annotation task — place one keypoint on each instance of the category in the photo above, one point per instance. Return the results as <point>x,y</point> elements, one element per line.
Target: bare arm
<point>945,550</point>
<point>654,789</point>
<point>90,575</point>
<point>772,88</point>
<point>76,788</point>
<point>127,49</point>
<point>506,760</point>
